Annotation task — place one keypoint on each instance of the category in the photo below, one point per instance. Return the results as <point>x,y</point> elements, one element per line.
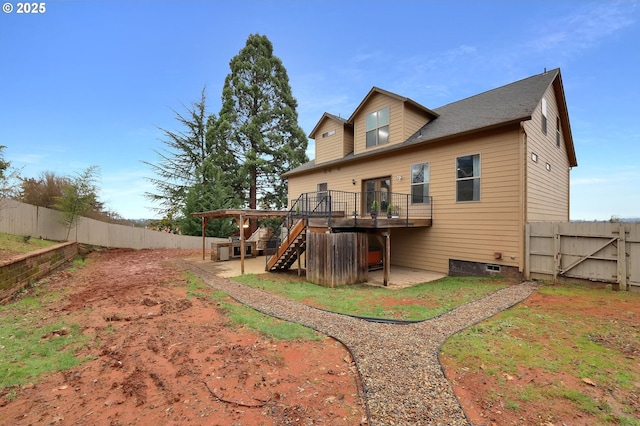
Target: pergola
<point>240,215</point>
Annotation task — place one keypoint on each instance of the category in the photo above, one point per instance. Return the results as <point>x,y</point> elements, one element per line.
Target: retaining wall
<point>17,271</point>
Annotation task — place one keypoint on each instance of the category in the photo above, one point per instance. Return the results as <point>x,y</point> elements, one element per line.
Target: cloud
<point>585,27</point>
<point>28,158</point>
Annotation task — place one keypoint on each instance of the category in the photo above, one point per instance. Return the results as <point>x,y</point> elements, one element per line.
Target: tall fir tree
<point>259,120</point>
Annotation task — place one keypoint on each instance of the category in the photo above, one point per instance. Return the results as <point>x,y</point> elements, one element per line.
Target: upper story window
<point>329,133</point>
<point>420,183</point>
<point>468,178</point>
<point>322,188</point>
<point>558,132</point>
<point>544,116</point>
<point>378,127</point>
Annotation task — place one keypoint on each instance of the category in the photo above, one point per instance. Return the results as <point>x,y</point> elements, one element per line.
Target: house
<point>462,180</point>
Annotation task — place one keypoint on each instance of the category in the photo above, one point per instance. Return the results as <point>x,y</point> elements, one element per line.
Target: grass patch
<point>28,349</point>
<point>23,243</point>
<point>568,334</point>
<point>419,302</point>
<point>241,315</point>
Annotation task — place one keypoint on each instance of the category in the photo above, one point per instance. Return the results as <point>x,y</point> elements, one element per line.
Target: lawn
<point>11,245</point>
<point>567,355</point>
<point>420,302</point>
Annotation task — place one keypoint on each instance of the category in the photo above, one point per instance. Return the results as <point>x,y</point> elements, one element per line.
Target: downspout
<point>523,203</point>
<point>569,194</point>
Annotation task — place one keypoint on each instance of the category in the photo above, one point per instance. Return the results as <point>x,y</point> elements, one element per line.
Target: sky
<point>93,83</point>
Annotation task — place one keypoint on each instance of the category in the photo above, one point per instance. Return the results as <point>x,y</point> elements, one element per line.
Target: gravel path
<point>403,381</point>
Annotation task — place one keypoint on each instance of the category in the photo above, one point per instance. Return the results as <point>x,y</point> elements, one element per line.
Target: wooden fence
<point>596,251</point>
<point>337,259</point>
<point>39,222</point>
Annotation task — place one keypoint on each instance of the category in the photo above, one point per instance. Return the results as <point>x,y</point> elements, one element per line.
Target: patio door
<point>376,190</point>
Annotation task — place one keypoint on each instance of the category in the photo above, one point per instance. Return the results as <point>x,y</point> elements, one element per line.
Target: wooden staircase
<point>294,245</point>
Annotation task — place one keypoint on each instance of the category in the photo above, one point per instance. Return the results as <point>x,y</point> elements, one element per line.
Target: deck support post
<point>387,257</point>
<point>241,244</point>
<point>204,236</point>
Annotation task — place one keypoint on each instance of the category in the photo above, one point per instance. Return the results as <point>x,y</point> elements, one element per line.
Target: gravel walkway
<point>403,381</point>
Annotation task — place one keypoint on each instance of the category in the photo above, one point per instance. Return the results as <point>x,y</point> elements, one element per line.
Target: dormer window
<point>378,127</point>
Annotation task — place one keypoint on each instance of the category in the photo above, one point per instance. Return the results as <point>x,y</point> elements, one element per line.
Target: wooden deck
<point>368,222</point>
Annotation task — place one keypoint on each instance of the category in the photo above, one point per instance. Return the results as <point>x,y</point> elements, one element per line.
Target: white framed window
<point>557,132</point>
<point>544,116</point>
<point>377,127</point>
<point>534,157</point>
<point>468,178</point>
<point>329,133</point>
<point>419,183</point>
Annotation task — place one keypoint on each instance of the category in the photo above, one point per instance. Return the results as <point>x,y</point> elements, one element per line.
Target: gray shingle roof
<point>504,105</point>
<point>512,103</point>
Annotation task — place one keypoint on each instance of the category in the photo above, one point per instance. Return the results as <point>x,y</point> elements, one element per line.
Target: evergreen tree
<point>4,165</point>
<point>185,152</point>
<point>202,198</point>
<point>195,164</point>
<point>259,118</point>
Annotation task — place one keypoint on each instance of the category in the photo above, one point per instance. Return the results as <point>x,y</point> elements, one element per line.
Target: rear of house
<point>486,165</point>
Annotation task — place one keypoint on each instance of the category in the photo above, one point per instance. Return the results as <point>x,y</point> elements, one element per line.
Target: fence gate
<point>595,251</point>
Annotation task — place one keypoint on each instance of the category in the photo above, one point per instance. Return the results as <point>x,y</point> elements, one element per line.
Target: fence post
<point>556,252</point>
<point>622,257</point>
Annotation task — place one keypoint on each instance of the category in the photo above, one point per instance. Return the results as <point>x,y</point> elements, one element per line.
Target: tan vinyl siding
<point>471,231</point>
<point>375,103</point>
<point>332,147</point>
<point>414,119</point>
<point>547,191</point>
<point>347,143</point>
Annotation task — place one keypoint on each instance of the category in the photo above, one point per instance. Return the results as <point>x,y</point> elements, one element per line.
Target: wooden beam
<point>241,244</point>
<point>387,257</point>
<point>299,263</point>
<point>204,236</point>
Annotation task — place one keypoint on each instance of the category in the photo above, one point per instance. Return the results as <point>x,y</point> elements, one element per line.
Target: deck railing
<point>342,204</point>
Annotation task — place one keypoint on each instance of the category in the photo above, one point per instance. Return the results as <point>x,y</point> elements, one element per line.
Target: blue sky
<point>91,82</point>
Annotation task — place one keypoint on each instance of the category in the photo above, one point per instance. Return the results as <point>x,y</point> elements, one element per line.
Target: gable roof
<point>326,116</point>
<point>409,101</point>
<point>505,105</point>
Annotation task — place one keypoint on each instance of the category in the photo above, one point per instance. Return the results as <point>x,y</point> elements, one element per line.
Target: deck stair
<point>293,245</point>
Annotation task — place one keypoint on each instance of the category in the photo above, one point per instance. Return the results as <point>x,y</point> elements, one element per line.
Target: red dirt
<point>162,357</point>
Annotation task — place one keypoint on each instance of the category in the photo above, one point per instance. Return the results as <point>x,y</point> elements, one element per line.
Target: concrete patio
<point>400,276</point>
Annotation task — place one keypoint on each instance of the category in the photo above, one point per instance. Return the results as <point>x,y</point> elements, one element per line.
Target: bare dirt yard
<point>161,353</point>
<point>161,356</point>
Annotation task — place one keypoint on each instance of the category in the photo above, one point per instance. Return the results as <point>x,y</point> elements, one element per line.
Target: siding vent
<point>493,268</point>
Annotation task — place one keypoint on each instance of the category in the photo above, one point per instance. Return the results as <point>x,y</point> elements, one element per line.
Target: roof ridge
<point>504,86</point>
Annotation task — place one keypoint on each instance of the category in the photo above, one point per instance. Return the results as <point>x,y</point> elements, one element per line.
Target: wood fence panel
<point>336,259</point>
<point>596,251</point>
<point>39,222</point>
<point>632,244</point>
<point>540,253</point>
